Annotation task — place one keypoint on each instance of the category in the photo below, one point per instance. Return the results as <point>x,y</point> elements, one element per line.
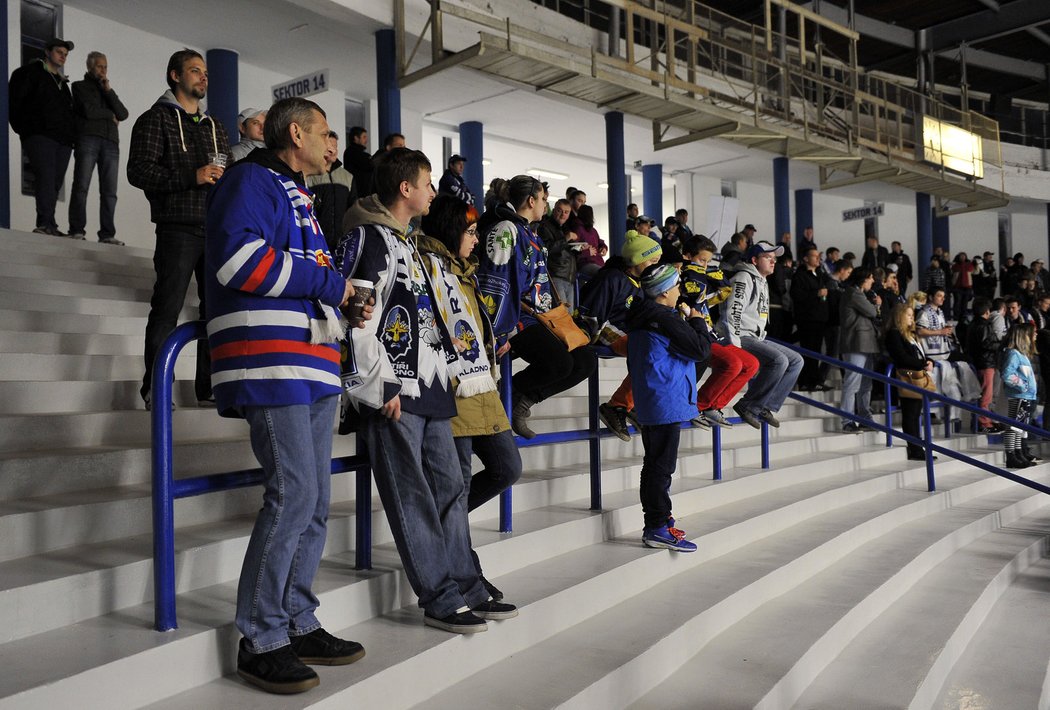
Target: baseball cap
<point>248,113</point>
<point>58,42</point>
<point>764,247</point>
<point>456,159</point>
<point>749,226</point>
<point>642,218</point>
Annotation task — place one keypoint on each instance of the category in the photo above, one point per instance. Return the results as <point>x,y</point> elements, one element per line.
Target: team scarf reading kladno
<point>472,367</point>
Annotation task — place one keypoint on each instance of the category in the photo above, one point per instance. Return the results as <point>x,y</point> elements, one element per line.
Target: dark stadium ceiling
<point>1006,44</point>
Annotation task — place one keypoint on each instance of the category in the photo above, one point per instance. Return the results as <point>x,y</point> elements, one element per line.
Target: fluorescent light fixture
<point>486,162</point>
<point>536,172</point>
<point>954,148</point>
<point>603,186</point>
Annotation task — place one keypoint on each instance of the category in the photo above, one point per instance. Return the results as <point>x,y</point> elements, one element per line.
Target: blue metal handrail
<point>928,398</point>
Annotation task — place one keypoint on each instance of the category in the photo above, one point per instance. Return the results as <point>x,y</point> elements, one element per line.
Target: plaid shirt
<point>163,160</point>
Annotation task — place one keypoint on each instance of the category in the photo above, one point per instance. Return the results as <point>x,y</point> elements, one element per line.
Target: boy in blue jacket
<point>662,352</point>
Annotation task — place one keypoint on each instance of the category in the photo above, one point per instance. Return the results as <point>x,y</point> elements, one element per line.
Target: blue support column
<point>653,192</point>
<point>924,234</point>
<point>617,179</point>
<point>781,199</point>
<point>471,147</point>
<point>223,93</point>
<point>5,150</point>
<point>942,234</point>
<point>803,218</point>
<point>388,93</point>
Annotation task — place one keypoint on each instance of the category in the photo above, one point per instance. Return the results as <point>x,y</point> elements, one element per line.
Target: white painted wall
<point>137,61</point>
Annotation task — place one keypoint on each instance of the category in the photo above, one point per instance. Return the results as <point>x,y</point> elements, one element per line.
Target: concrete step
<point>34,319</point>
<point>48,271</point>
<point>917,622</point>
<point>16,242</point>
<point>94,369</point>
<point>20,341</point>
<point>31,285</point>
<point>551,594</point>
<point>1004,663</point>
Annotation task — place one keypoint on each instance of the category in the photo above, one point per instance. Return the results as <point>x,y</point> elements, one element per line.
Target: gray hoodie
<point>746,311</point>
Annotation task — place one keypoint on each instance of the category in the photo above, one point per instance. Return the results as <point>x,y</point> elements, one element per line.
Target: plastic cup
<point>218,159</point>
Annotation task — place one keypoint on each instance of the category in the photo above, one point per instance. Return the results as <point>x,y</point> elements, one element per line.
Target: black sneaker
<point>278,671</point>
<point>633,419</point>
<point>491,588</point>
<point>494,610</point>
<point>616,419</point>
<point>769,418</point>
<point>851,428</point>
<point>320,648</point>
<point>747,415</point>
<point>460,622</point>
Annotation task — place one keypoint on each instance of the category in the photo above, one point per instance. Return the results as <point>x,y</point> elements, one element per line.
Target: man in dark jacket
<point>41,113</point>
<point>561,257</point>
<point>905,272</point>
<point>97,111</point>
<point>809,298</point>
<point>982,349</point>
<point>986,276</point>
<point>875,256</point>
<point>334,193</point>
<point>358,162</point>
<point>175,156</point>
<point>452,182</point>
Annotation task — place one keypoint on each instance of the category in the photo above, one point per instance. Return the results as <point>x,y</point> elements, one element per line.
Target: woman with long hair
<point>962,285</point>
<point>515,285</point>
<point>1021,389</point>
<point>592,256</point>
<point>906,353</point>
<point>450,233</point>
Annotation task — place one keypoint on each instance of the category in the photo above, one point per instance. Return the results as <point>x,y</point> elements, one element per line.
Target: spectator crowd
<point>354,290</point>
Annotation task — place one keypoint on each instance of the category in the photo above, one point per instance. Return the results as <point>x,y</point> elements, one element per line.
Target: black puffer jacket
<point>982,344</point>
<point>41,103</point>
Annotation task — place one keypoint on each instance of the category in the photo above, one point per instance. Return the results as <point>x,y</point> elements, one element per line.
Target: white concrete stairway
<point>806,566</point>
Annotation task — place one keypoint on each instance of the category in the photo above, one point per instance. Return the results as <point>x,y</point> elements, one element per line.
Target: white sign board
<point>721,218</point>
<point>308,85</point>
<point>864,212</point>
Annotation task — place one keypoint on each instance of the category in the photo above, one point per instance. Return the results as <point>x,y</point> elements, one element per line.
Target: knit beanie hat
<point>659,278</point>
<point>637,248</point>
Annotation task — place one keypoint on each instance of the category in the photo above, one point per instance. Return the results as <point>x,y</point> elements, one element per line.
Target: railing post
<point>927,428</point>
<point>765,445</point>
<point>363,504</point>
<point>506,507</point>
<point>889,408</point>
<point>594,440</point>
<point>716,453</point>
<point>164,614</point>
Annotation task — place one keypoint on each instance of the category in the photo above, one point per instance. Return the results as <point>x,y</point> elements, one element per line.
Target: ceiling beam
<point>1009,18</point>
<point>867,26</point>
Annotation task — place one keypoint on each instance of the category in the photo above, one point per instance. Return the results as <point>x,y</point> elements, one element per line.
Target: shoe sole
<point>494,615</point>
<point>333,661</point>
<point>299,686</point>
<point>455,628</point>
<point>659,545</point>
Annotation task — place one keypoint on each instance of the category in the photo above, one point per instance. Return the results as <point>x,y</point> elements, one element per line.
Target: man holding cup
<point>177,154</point>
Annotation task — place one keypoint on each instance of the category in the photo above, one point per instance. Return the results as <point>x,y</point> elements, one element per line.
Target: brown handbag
<point>559,321</point>
<point>919,378</point>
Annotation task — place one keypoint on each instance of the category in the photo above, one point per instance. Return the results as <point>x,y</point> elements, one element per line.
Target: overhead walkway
<point>697,73</point>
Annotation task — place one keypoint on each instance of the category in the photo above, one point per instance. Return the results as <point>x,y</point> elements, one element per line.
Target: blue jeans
<point>89,152</point>
<point>178,256</point>
<point>48,159</point>
<point>294,448</point>
<point>855,387</point>
<point>420,482</point>
<point>501,463</point>
<point>778,368</point>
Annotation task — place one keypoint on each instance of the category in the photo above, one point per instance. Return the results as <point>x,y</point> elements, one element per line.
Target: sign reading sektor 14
<point>313,83</point>
<point>863,212</point>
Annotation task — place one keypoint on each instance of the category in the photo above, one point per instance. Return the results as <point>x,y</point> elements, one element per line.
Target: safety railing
<point>929,399</point>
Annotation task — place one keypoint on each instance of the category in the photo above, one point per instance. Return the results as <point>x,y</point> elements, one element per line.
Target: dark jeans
<point>552,368</point>
<point>178,256</point>
<point>660,442</point>
<point>501,463</point>
<point>92,151</point>
<point>811,336</point>
<point>911,410</point>
<point>48,159</point>
<point>960,298</point>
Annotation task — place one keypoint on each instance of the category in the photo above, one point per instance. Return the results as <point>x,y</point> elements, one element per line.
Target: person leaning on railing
<point>907,354</point>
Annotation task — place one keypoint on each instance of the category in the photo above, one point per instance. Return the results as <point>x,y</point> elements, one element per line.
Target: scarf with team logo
<point>472,368</point>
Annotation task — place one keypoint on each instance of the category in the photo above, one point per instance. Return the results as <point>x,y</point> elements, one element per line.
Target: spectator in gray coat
<point>858,343</point>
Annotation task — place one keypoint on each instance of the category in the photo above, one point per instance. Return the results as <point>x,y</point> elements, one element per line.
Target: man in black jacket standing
<point>177,154</point>
<point>41,113</point>
<point>97,111</point>
<point>982,349</point>
<point>358,161</point>
<point>905,272</point>
<point>809,298</point>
